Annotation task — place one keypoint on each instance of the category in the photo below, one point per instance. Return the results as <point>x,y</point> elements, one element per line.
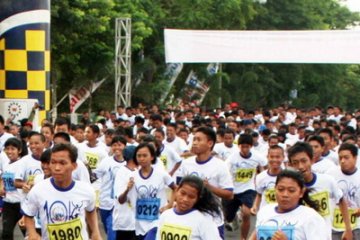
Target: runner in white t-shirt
<point>11,196</point>
<point>124,214</point>
<point>106,170</point>
<point>211,169</point>
<point>81,172</point>
<point>265,181</point>
<point>29,166</point>
<point>348,179</point>
<point>148,186</point>
<point>194,204</point>
<point>289,219</point>
<point>168,156</point>
<point>243,167</point>
<point>324,189</point>
<point>320,164</point>
<point>65,206</point>
<point>226,148</point>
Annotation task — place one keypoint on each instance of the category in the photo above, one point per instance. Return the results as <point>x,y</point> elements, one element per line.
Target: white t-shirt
<point>81,172</point>
<point>223,151</point>
<point>169,157</point>
<point>62,211</point>
<point>350,186</point>
<point>150,197</point>
<point>27,167</point>
<point>106,170</point>
<point>192,225</point>
<point>12,194</point>
<point>302,223</point>
<point>265,185</point>
<point>327,193</point>
<point>92,156</point>
<point>214,170</point>
<point>4,161</point>
<point>3,137</point>
<point>324,165</point>
<point>178,144</point>
<point>243,170</point>
<point>123,214</point>
<point>333,156</point>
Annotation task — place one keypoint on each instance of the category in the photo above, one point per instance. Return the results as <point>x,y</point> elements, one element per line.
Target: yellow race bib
<point>322,199</point>
<point>70,230</point>
<point>92,160</point>
<point>163,158</point>
<point>244,175</point>
<point>171,232</point>
<point>270,196</point>
<point>338,221</point>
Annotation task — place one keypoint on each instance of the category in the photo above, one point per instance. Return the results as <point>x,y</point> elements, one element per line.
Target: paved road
<point>229,235</point>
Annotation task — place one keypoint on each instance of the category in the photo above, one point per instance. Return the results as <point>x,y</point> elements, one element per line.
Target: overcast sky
<point>353,5</point>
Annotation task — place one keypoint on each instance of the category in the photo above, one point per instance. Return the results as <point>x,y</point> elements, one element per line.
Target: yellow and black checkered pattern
<point>25,65</point>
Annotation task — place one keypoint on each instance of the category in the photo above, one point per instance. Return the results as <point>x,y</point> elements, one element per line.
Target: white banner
<point>18,109</point>
<point>200,46</point>
<point>78,96</point>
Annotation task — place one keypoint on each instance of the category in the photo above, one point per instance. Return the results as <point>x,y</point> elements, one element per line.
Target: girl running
<point>194,204</point>
<point>289,219</point>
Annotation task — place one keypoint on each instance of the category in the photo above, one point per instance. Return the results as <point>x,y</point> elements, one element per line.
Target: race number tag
<point>322,199</point>
<point>92,160</point>
<point>266,232</point>
<point>244,175</point>
<point>270,196</point>
<point>8,180</point>
<point>171,231</point>
<point>338,220</point>
<point>70,230</point>
<point>163,158</point>
<point>147,209</point>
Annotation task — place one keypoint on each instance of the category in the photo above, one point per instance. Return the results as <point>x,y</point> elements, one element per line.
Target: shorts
<point>231,206</point>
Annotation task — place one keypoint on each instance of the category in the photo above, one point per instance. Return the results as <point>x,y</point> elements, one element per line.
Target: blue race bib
<point>8,180</point>
<point>147,209</point>
<point>266,232</point>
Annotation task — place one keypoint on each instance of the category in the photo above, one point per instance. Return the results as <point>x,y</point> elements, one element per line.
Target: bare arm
<point>30,228</point>
<point>223,193</point>
<point>123,197</point>
<point>256,204</point>
<point>345,213</point>
<point>177,165</point>
<point>91,219</point>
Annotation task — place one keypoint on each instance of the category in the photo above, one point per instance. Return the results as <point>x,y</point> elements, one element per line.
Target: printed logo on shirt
<point>59,212</point>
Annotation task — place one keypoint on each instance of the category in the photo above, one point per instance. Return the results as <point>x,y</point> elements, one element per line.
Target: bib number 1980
<point>70,230</point>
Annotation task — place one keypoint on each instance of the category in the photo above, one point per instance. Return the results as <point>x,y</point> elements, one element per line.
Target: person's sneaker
<point>232,226</point>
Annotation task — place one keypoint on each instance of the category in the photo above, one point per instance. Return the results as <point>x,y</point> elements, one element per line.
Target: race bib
<point>70,230</point>
<point>92,160</point>
<point>163,158</point>
<point>8,181</point>
<point>171,232</point>
<point>30,179</point>
<point>270,195</point>
<point>147,209</point>
<point>244,175</point>
<point>338,220</point>
<point>322,199</point>
<point>266,232</point>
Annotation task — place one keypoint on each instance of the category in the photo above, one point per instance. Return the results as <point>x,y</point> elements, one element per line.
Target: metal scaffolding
<point>123,62</point>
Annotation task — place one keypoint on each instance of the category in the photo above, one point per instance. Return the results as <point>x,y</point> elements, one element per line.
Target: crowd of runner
<point>183,173</point>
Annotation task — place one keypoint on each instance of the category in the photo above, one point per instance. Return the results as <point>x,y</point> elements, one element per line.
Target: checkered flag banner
<point>25,51</point>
